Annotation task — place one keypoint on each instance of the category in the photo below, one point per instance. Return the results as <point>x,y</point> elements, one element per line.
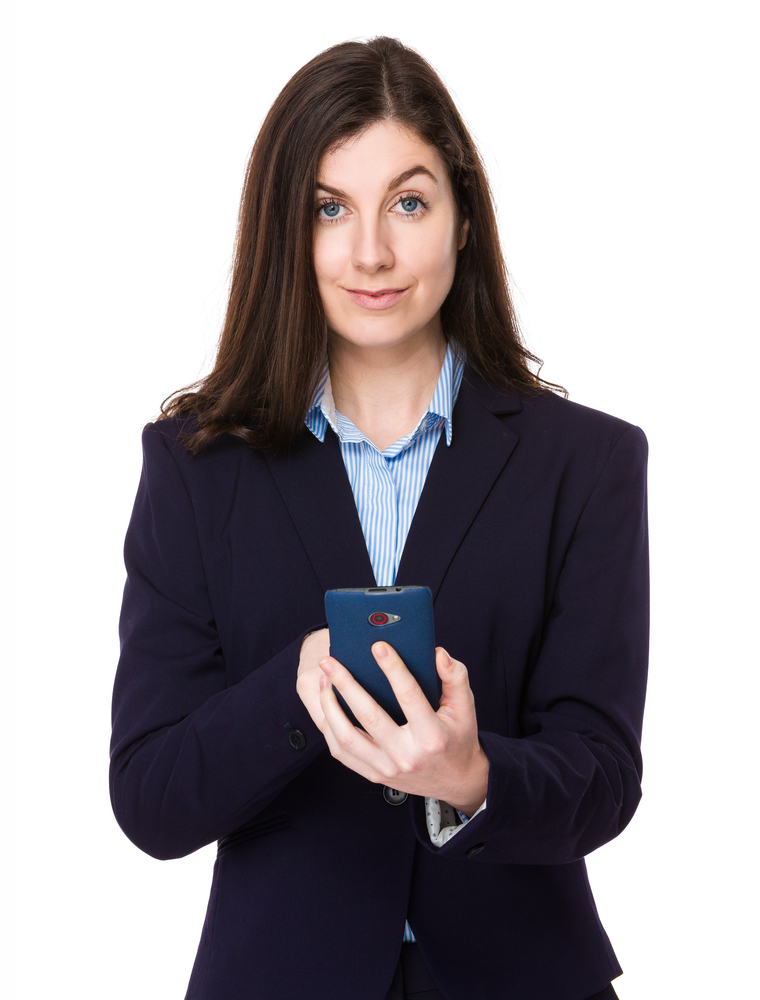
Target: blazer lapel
<point>314,486</point>
<point>460,477</point>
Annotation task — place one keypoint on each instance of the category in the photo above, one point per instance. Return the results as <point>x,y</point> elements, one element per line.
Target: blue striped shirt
<point>387,486</point>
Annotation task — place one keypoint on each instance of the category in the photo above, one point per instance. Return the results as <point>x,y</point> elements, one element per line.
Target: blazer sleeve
<point>191,758</point>
<point>572,783</point>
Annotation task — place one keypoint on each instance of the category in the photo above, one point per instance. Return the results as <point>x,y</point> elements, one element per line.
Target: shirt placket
<point>384,518</point>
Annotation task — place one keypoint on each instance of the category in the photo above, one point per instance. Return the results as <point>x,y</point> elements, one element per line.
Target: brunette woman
<point>372,419</point>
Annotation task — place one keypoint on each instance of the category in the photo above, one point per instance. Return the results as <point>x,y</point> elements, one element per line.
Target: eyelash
<point>402,197</point>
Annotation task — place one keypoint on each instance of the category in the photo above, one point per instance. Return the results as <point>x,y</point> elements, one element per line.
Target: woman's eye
<point>410,204</point>
<point>330,211</point>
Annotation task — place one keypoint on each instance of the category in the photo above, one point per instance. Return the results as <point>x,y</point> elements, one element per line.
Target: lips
<point>381,298</point>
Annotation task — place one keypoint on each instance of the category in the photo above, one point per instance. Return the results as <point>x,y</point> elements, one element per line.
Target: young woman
<point>372,419</point>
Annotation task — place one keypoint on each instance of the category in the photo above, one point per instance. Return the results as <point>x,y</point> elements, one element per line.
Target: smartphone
<point>402,617</point>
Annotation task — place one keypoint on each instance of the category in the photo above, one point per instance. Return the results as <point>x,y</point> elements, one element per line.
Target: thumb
<point>454,677</point>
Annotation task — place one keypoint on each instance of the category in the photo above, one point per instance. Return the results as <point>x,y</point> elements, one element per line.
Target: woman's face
<point>386,237</point>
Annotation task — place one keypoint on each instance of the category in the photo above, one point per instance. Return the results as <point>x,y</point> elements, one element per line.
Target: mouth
<point>381,298</point>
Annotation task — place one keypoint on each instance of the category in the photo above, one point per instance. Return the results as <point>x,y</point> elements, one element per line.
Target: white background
<point>621,140</point>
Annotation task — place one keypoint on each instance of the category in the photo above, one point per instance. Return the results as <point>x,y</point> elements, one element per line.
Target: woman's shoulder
<point>570,419</point>
<point>171,438</point>
<point>171,428</point>
<point>550,417</point>
<point>573,444</point>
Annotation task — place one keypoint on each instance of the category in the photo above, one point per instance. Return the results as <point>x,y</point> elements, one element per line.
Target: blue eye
<point>409,204</point>
<point>331,210</point>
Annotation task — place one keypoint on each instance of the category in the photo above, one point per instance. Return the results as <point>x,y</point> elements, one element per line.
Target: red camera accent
<point>379,618</point>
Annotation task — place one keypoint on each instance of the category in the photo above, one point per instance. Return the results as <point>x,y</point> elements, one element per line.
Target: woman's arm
<point>573,782</point>
<point>192,759</point>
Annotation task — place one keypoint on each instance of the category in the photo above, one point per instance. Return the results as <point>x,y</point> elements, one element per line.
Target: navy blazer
<point>531,533</point>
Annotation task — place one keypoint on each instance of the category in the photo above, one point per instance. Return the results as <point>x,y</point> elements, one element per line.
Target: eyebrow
<point>396,182</point>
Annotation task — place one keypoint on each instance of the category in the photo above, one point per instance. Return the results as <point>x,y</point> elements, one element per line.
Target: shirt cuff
<point>444,821</point>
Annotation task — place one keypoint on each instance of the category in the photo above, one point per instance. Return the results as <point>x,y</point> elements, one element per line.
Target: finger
<point>367,712</point>
<point>419,713</point>
<point>348,744</point>
<point>456,693</point>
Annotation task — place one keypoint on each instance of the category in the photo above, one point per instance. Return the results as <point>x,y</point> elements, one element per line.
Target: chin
<point>377,332</point>
<point>374,339</point>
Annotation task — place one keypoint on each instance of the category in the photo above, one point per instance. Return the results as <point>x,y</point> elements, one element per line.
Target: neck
<point>385,391</point>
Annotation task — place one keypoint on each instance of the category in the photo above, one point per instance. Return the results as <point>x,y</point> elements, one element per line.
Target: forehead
<point>380,153</point>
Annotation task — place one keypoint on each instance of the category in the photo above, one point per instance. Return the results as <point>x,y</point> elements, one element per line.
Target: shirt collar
<point>322,410</point>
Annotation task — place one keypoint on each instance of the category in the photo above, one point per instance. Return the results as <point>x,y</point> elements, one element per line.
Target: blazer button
<point>296,739</point>
<point>394,797</point>
<point>475,850</point>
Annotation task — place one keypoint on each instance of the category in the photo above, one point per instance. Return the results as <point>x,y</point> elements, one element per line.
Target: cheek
<point>433,260</point>
<point>331,254</point>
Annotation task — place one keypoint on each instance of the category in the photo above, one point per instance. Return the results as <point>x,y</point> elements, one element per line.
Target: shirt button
<point>475,850</point>
<point>394,797</point>
<point>296,739</point>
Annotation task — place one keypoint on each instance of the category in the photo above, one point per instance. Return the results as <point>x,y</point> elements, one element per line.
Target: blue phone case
<point>400,616</point>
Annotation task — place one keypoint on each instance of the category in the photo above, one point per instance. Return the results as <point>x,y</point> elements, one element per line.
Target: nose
<point>372,250</point>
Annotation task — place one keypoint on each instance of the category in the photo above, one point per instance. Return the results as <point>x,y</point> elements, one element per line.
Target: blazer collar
<point>314,486</point>
<point>493,398</point>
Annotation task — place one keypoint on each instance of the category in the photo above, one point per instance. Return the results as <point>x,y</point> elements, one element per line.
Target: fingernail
<point>449,661</point>
<point>381,649</point>
<point>327,666</point>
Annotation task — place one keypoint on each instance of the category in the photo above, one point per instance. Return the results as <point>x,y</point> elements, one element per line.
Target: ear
<point>463,230</point>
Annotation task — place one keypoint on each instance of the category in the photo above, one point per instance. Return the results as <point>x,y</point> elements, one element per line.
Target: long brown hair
<point>275,334</point>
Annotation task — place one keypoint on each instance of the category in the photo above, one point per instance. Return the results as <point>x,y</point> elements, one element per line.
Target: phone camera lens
<point>378,618</point>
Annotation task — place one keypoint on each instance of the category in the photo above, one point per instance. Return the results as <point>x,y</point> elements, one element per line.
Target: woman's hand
<point>435,754</point>
<point>313,649</point>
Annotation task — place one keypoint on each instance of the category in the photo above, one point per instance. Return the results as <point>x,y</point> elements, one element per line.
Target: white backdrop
<point>621,140</point>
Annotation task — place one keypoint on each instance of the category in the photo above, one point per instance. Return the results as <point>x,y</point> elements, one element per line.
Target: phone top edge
<point>375,590</point>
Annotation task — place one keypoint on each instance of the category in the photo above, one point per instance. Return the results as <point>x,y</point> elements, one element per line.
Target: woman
<point>372,419</point>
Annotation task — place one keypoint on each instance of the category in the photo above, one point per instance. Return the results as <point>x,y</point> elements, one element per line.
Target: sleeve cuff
<point>444,821</point>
